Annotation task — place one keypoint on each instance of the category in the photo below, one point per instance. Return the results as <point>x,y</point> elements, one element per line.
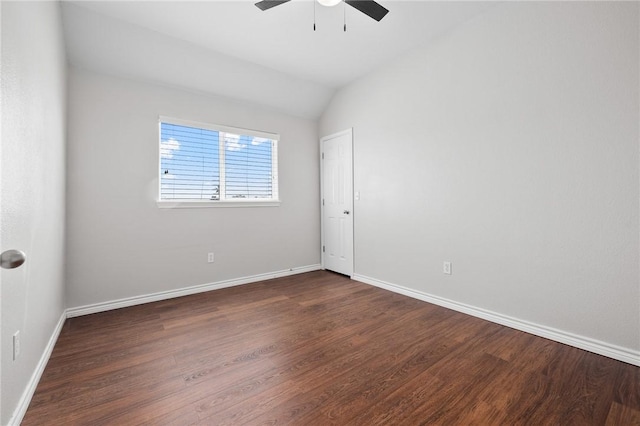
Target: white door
<point>337,202</point>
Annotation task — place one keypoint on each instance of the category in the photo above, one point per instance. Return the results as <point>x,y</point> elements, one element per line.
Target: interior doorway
<point>337,202</point>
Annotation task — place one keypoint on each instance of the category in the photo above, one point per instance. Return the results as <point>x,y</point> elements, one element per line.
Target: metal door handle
<point>12,259</point>
<point>346,212</point>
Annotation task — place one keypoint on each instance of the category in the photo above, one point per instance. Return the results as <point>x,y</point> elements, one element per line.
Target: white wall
<point>111,46</point>
<point>121,245</point>
<point>33,188</point>
<point>510,148</point>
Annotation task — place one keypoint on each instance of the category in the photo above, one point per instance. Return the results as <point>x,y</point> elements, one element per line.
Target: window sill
<point>166,204</point>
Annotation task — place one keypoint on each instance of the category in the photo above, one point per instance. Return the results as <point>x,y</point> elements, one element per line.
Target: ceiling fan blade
<point>268,4</point>
<point>369,7</point>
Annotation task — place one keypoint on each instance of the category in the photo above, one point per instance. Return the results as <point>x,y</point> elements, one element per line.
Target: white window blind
<point>203,162</point>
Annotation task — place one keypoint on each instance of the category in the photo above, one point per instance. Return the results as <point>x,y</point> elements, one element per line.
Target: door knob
<point>346,212</point>
<point>12,259</point>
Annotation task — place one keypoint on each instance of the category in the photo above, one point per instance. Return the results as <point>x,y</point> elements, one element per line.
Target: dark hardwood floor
<point>320,349</point>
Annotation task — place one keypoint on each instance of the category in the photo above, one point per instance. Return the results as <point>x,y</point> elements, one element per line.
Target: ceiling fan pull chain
<point>344,11</point>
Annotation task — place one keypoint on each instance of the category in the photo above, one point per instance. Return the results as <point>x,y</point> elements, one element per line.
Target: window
<point>205,164</point>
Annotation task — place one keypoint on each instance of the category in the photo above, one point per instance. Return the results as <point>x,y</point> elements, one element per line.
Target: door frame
<point>2,337</point>
<point>349,132</point>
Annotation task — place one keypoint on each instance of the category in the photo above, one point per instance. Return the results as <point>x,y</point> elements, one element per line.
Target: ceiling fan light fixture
<point>371,8</point>
<point>329,3</point>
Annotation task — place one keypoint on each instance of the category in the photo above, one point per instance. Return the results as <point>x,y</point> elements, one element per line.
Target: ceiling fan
<point>368,7</point>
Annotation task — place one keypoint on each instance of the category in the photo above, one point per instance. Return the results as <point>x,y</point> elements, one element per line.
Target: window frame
<point>237,202</point>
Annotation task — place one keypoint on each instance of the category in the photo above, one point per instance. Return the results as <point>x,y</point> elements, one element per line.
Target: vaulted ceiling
<point>232,49</point>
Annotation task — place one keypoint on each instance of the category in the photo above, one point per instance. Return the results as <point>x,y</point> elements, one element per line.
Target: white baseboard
<point>581,342</point>
<point>163,295</point>
<point>25,399</point>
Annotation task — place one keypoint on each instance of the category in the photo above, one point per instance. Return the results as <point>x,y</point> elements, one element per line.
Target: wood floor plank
<point>396,406</point>
<point>627,387</point>
<point>415,359</point>
<point>76,394</point>
<point>320,349</point>
<point>622,415</point>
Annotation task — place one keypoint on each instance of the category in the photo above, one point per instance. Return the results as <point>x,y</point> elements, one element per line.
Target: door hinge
<point>323,201</point>
<point>323,249</point>
<point>323,155</point>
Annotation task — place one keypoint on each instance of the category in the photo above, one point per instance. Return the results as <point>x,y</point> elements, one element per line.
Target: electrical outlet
<point>16,345</point>
<point>210,258</point>
<point>446,268</point>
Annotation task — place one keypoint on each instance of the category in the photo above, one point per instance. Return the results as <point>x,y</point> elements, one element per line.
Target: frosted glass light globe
<point>329,2</point>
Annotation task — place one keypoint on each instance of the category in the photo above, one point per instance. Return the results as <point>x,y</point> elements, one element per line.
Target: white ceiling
<point>233,49</point>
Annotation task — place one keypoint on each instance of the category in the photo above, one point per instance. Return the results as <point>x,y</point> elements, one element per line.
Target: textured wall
<point>33,188</point>
<point>120,244</point>
<point>510,148</point>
